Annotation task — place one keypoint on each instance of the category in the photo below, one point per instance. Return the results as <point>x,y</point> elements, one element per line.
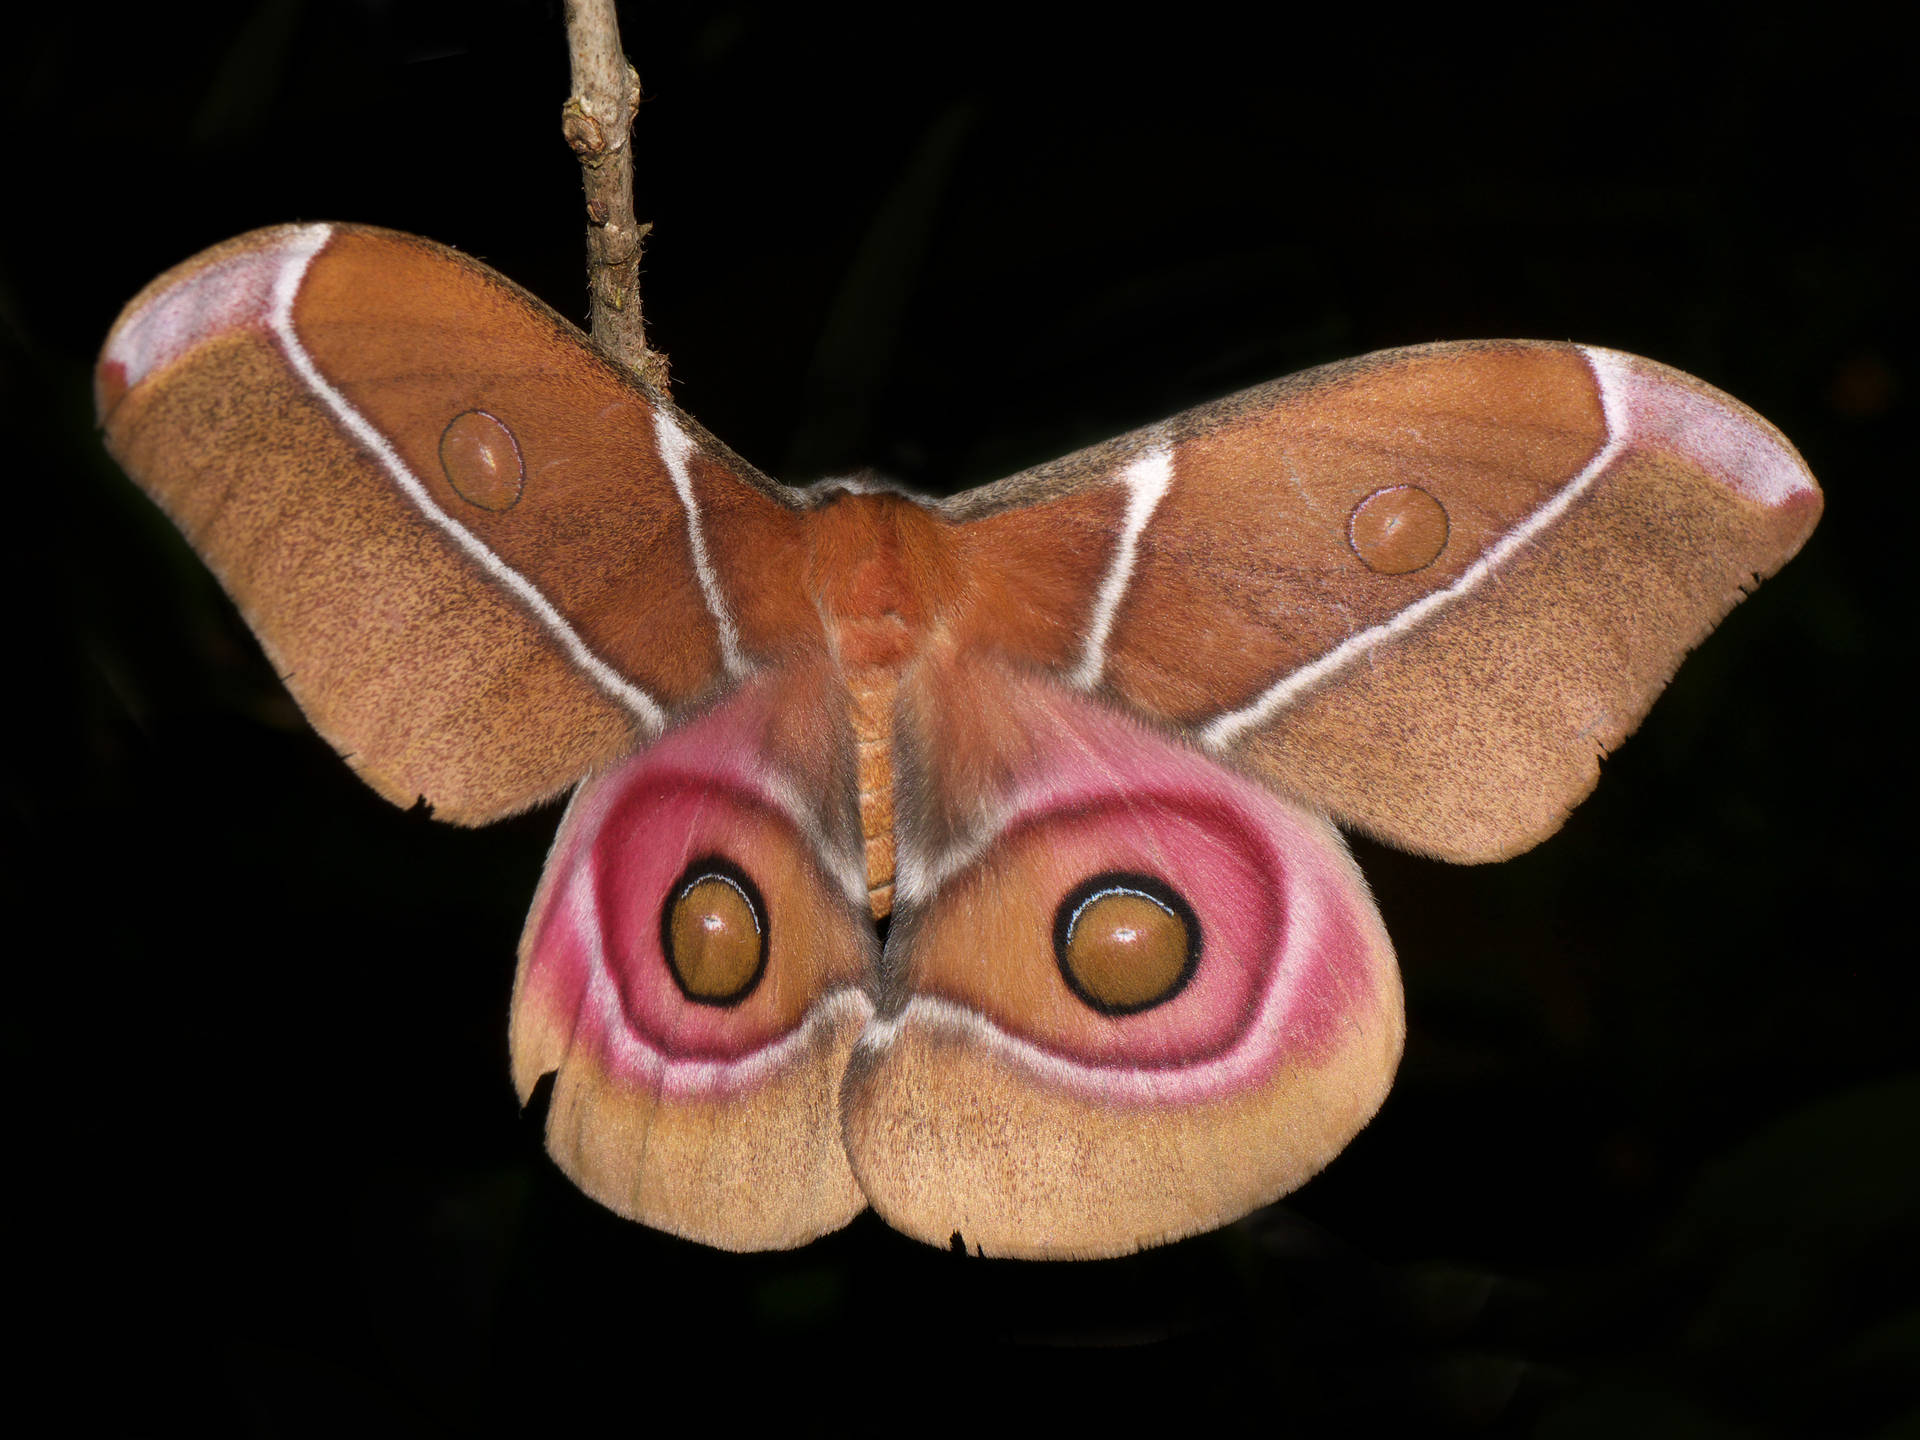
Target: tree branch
<point>597,121</point>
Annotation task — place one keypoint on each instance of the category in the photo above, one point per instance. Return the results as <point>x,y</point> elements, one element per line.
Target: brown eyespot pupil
<point>1125,943</point>
<point>714,933</point>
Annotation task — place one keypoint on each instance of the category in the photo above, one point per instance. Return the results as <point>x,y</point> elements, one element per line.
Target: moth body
<point>881,581</point>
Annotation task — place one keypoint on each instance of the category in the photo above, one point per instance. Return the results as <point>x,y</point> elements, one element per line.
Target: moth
<point>973,859</point>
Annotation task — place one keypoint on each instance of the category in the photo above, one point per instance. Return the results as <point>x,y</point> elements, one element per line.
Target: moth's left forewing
<point>483,559</point>
<point>1130,995</point>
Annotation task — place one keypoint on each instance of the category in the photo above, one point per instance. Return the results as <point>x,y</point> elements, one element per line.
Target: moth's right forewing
<point>1425,590</point>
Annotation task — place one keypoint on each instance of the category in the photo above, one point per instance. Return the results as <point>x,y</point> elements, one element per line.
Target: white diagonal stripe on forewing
<point>674,448</point>
<point>1223,731</point>
<point>308,241</point>
<point>1147,478</point>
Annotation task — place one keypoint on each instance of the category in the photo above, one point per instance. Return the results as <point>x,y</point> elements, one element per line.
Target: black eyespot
<point>1125,942</point>
<point>713,931</point>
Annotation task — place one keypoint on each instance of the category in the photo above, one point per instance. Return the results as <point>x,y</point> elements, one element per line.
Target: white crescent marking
<point>1721,436</point>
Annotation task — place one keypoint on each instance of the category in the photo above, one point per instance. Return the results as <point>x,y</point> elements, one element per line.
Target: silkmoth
<point>1079,738</point>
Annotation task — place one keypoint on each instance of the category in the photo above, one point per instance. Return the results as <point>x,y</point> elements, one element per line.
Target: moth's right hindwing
<point>1135,995</point>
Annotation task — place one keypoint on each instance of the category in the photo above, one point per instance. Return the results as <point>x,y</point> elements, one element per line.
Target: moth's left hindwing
<point>695,973</point>
<point>462,537</point>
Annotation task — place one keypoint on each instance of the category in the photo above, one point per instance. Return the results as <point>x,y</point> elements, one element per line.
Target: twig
<point>597,121</point>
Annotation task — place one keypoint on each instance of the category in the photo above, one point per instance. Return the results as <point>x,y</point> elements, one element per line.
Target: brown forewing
<point>1471,735</point>
<point>1247,572</point>
<point>413,335</point>
<point>430,679</point>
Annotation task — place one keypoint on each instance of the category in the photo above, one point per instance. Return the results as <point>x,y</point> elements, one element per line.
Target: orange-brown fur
<point>882,571</point>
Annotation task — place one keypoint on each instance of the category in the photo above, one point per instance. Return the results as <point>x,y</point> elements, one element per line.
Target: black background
<point>1652,1164</point>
